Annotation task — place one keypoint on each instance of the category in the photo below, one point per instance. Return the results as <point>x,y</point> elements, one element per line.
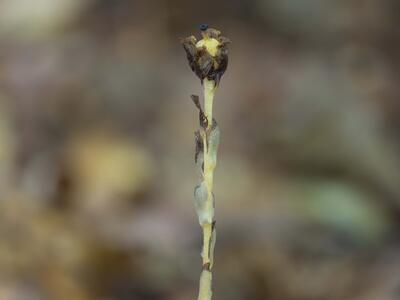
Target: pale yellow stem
<point>205,292</point>
<point>205,253</point>
<point>209,89</point>
<point>206,276</point>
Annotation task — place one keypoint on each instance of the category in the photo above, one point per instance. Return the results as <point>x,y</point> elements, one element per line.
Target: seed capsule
<point>208,58</point>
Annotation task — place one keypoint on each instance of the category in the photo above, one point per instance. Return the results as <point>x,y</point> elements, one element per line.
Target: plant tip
<point>203,27</point>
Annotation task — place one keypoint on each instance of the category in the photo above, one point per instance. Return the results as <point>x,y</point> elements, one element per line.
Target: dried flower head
<point>207,57</point>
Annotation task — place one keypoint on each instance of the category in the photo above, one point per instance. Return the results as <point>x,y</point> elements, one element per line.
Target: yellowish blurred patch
<point>108,169</point>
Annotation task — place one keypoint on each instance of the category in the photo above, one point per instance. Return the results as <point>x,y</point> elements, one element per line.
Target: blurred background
<point>97,150</point>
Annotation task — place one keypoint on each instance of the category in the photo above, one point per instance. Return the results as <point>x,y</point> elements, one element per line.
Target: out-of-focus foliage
<point>96,150</point>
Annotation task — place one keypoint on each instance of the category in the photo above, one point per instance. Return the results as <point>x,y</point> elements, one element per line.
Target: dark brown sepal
<point>199,148</point>
<point>202,117</point>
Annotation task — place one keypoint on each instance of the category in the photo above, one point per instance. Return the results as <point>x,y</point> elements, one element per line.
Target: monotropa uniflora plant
<point>208,59</point>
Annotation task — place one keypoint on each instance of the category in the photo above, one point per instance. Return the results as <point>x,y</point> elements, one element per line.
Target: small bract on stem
<point>208,59</point>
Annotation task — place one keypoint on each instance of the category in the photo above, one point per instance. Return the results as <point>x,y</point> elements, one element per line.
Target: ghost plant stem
<point>209,89</point>
<point>208,59</point>
<point>205,292</point>
<point>209,166</point>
